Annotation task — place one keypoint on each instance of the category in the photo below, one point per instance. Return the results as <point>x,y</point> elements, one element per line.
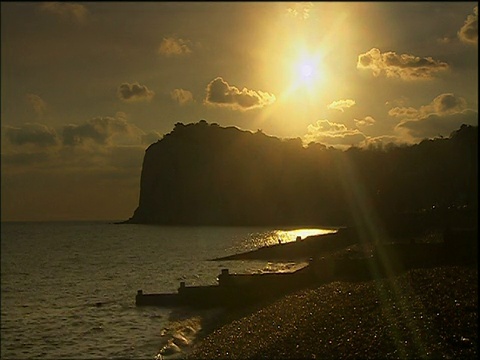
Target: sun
<point>298,72</point>
<point>307,71</point>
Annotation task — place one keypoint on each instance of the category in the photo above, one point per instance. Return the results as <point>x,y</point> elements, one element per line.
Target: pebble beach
<point>427,313</point>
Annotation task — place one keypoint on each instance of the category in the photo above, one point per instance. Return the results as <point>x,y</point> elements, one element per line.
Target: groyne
<point>459,246</point>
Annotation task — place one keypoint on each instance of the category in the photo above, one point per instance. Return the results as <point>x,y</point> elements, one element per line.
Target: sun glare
<point>284,236</point>
<point>306,71</point>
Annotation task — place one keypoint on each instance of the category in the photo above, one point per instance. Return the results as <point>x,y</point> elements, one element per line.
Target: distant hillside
<point>204,174</point>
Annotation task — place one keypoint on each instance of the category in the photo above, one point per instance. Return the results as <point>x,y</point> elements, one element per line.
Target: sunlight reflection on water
<point>273,237</point>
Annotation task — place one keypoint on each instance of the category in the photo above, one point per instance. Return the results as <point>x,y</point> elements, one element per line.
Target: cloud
<point>88,145</point>
<point>405,67</point>
<point>333,134</point>
<point>469,31</point>
<point>435,125</point>
<point>341,104</point>
<point>171,46</point>
<point>443,104</point>
<point>299,10</point>
<point>402,100</point>
<point>66,11</point>
<point>403,112</point>
<point>447,104</point>
<point>366,121</point>
<point>39,106</point>
<point>134,92</point>
<point>99,130</point>
<point>443,115</point>
<point>31,133</point>
<point>108,172</point>
<point>182,96</point>
<point>220,93</point>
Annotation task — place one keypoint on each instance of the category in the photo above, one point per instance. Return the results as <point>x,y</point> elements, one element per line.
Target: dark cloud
<point>99,130</point>
<point>404,66</point>
<point>443,115</point>
<point>447,103</point>
<point>443,104</point>
<point>134,92</point>
<point>31,133</point>
<point>220,93</point>
<point>469,31</point>
<point>437,125</point>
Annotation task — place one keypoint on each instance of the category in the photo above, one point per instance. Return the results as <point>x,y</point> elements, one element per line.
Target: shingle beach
<point>420,314</point>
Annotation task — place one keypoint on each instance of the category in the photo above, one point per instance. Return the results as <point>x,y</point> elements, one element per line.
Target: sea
<point>68,288</point>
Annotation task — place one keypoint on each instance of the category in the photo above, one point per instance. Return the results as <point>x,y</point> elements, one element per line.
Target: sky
<point>87,87</point>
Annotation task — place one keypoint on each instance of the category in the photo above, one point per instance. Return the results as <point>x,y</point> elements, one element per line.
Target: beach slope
<point>422,314</point>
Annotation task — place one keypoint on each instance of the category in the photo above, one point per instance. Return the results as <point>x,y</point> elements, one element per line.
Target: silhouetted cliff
<point>204,174</point>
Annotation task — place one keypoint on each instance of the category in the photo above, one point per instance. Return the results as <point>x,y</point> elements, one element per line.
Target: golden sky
<point>86,87</point>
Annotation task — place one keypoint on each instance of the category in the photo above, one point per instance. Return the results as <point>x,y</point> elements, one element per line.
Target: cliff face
<point>203,174</point>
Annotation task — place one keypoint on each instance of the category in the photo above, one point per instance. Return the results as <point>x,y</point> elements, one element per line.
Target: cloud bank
<point>31,134</point>
<point>98,130</point>
<point>101,144</point>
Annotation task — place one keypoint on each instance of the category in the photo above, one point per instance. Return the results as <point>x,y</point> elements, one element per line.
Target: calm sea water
<point>68,289</point>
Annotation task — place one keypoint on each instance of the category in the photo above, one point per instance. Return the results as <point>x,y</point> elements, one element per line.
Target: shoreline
<point>408,304</point>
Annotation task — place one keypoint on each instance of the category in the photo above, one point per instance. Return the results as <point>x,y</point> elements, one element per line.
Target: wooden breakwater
<point>232,290</point>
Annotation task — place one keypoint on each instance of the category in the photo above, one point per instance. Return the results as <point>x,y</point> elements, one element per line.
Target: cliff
<point>204,174</point>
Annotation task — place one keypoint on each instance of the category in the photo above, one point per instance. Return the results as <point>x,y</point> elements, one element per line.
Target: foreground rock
<point>422,314</point>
